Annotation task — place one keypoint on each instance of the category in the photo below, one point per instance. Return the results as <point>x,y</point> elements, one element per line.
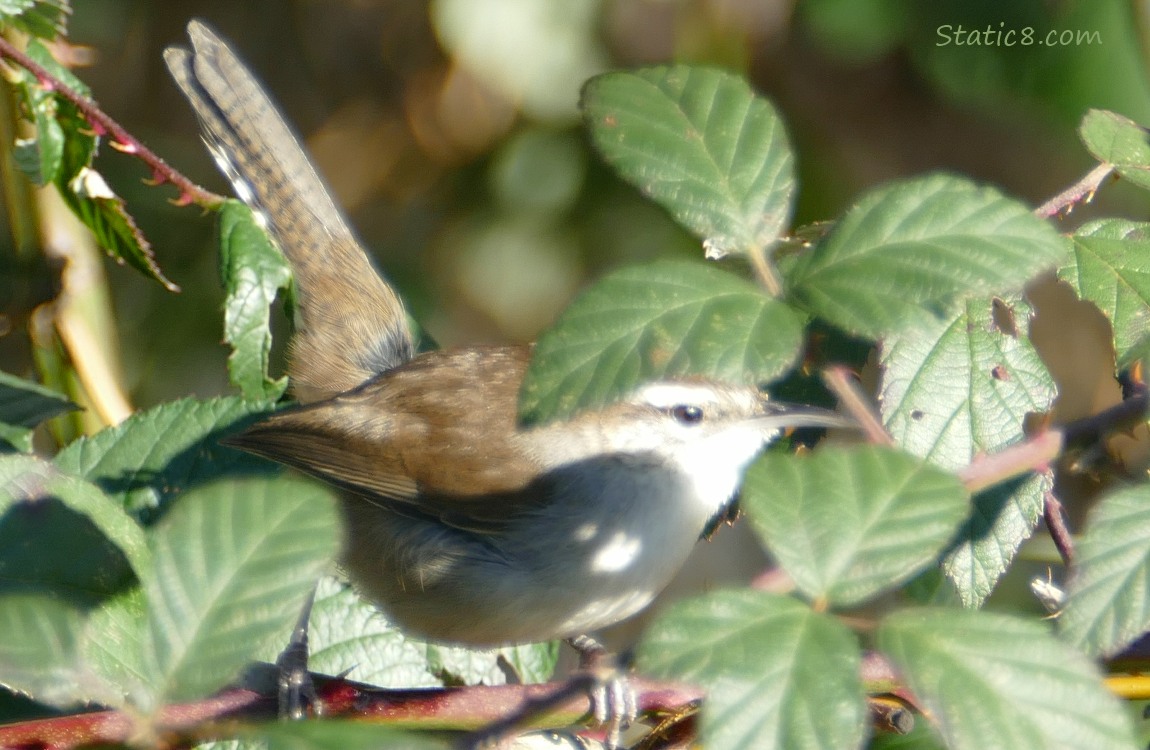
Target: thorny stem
<point>1034,454</point>
<point>121,140</point>
<point>1055,519</point>
<point>1080,192</point>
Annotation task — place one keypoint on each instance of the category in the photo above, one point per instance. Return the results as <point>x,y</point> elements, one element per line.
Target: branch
<point>1055,518</point>
<point>121,139</point>
<point>842,384</point>
<point>1080,192</point>
<point>463,709</point>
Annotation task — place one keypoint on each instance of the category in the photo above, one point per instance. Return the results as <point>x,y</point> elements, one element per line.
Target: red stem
<point>122,140</point>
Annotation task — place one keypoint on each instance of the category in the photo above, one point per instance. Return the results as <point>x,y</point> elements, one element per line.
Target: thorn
<point>46,83</point>
<point>157,178</point>
<point>96,128</point>
<point>184,199</point>
<point>121,146</point>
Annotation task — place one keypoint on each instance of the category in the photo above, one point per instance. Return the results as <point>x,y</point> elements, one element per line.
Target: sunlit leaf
<point>1118,140</point>
<point>347,632</point>
<point>777,673</point>
<point>154,455</point>
<point>909,252</point>
<point>1108,596</point>
<point>666,319</point>
<point>234,561</point>
<point>957,388</point>
<point>1110,266</point>
<point>700,143</point>
<point>990,680</point>
<point>253,272</point>
<point>113,647</point>
<point>849,523</point>
<point>45,19</point>
<point>39,653</point>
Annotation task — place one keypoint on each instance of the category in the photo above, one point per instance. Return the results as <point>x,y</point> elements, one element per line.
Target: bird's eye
<point>687,413</point>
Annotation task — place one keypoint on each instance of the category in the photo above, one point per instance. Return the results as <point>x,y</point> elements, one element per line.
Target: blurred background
<point>449,130</point>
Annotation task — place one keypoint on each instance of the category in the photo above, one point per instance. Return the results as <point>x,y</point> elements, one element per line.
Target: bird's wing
<point>436,436</point>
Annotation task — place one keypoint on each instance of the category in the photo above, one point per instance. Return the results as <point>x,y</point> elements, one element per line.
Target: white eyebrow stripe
<point>666,395</point>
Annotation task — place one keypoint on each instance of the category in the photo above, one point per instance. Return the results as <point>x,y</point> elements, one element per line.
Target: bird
<point>463,523</point>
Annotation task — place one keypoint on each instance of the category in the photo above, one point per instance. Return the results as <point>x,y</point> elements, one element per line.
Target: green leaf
<point>533,663</point>
<point>45,19</point>
<point>1107,605</point>
<point>106,214</point>
<point>1117,140</point>
<point>60,131</point>
<point>253,271</point>
<point>39,653</point>
<point>909,251</point>
<point>61,533</point>
<point>113,647</point>
<point>990,680</point>
<point>337,735</point>
<point>234,561</point>
<point>847,523</point>
<point>66,147</point>
<point>43,56</point>
<point>23,405</point>
<point>777,674</point>
<point>154,455</point>
<point>921,737</point>
<point>699,142</point>
<point>663,320</point>
<point>1110,266</point>
<point>346,632</point>
<point>39,156</point>
<point>9,9</point>
<point>955,389</point>
<point>1003,517</point>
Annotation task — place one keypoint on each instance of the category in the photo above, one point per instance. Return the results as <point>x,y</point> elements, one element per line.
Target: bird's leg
<point>296,689</point>
<point>613,700</point>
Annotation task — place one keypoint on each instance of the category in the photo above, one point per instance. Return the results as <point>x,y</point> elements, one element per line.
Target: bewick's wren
<point>461,523</point>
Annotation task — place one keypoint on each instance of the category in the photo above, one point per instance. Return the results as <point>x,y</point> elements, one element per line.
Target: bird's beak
<point>778,415</point>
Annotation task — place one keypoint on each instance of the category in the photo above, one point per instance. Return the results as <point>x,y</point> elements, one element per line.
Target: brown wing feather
<point>408,436</point>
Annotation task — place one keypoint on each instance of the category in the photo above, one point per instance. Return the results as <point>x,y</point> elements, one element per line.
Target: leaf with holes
<point>253,272</point>
<point>961,387</point>
<point>666,319</point>
<point>700,143</point>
